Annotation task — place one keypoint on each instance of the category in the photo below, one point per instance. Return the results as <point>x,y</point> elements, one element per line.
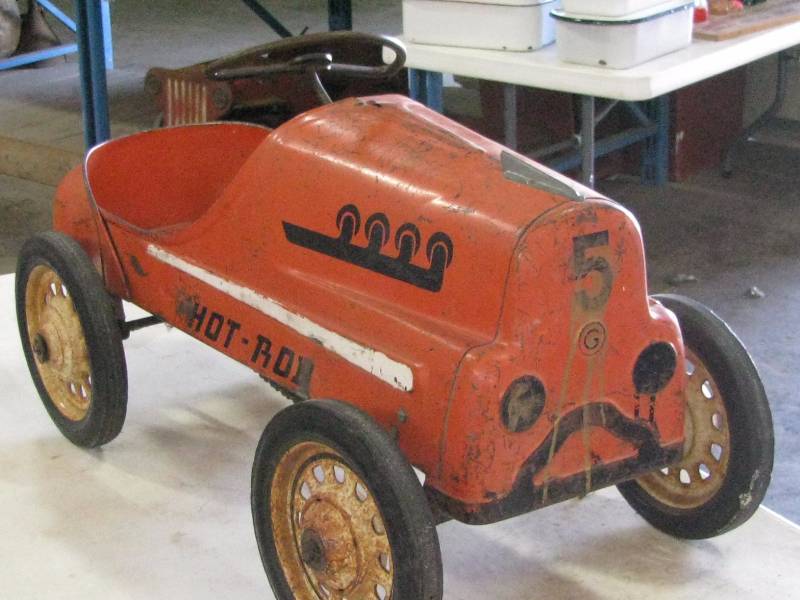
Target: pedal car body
<point>375,252</point>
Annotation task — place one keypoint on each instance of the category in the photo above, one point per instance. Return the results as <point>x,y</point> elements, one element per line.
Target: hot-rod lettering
<point>212,325</point>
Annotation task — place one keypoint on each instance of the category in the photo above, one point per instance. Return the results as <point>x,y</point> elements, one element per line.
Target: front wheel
<point>71,339</point>
<point>727,462</point>
<point>338,511</point>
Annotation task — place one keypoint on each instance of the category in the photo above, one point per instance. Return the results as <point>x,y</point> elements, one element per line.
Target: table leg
<point>655,161</point>
<point>777,105</point>
<point>426,87</point>
<point>340,15</point>
<point>510,115</point>
<point>588,139</point>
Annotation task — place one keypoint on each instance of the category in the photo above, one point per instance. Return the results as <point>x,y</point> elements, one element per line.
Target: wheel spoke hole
<point>338,474</point>
<point>377,525</point>
<point>73,389</point>
<point>64,291</point>
<point>380,592</point>
<point>716,421</point>
<point>84,393</point>
<point>704,471</point>
<point>305,490</point>
<point>707,389</point>
<point>716,452</point>
<point>684,477</point>
<point>361,492</point>
<point>690,368</point>
<point>665,471</point>
<point>385,562</point>
<point>319,473</point>
<point>53,290</point>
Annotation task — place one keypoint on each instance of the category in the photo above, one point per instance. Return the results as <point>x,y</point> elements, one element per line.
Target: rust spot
<point>587,215</point>
<point>186,306</point>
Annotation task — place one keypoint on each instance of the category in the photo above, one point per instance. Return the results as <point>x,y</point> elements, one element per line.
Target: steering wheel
<point>310,54</point>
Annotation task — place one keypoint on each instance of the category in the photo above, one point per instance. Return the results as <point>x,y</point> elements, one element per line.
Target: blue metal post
<point>415,85</point>
<point>87,97</point>
<point>588,140</point>
<point>340,15</point>
<point>97,66</point>
<point>655,162</point>
<point>434,83</point>
<point>426,87</point>
<point>108,46</point>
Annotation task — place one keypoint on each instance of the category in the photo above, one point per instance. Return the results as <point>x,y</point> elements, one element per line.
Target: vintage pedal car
<point>430,299</point>
<point>238,87</point>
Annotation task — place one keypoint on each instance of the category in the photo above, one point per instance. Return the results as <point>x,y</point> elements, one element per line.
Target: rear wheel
<point>71,339</point>
<point>338,511</point>
<point>727,462</point>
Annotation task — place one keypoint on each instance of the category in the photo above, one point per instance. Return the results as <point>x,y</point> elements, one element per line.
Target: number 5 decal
<point>584,264</point>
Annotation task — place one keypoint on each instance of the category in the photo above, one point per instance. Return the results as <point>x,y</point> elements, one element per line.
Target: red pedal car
<point>428,298</point>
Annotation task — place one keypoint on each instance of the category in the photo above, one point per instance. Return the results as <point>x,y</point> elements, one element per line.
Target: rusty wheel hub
<point>329,533</point>
<point>58,343</point>
<point>697,478</point>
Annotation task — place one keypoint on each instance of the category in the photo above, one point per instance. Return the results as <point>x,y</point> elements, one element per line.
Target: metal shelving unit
<point>92,26</point>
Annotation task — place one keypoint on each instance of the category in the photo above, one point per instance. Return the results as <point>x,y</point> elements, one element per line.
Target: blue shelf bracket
<point>30,58</point>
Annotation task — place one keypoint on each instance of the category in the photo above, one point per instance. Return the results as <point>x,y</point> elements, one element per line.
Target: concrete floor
<point>163,512</point>
<point>730,234</point>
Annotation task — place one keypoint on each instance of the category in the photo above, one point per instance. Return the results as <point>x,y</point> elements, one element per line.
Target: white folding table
<point>650,82</point>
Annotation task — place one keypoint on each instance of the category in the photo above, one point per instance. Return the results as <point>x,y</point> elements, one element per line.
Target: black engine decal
<point>407,242</point>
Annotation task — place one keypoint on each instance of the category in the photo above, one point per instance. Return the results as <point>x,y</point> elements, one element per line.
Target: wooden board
<point>758,18</point>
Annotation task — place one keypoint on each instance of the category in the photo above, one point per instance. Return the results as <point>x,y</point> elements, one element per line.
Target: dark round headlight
<point>523,403</point>
<point>654,368</point>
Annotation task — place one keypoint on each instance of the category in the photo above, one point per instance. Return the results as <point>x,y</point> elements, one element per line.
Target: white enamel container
<point>608,8</point>
<point>518,25</point>
<point>624,42</point>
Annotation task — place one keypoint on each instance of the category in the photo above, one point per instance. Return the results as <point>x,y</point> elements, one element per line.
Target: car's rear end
<point>582,386</point>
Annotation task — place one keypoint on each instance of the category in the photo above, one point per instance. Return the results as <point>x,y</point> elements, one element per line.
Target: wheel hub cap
<point>58,343</point>
<point>699,475</point>
<point>327,545</point>
<point>328,529</point>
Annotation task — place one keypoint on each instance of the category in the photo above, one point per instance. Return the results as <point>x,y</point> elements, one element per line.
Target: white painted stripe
<point>376,363</point>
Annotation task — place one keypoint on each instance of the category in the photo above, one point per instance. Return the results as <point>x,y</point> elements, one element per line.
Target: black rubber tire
<point>750,425</point>
<point>375,457</point>
<point>95,308</point>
